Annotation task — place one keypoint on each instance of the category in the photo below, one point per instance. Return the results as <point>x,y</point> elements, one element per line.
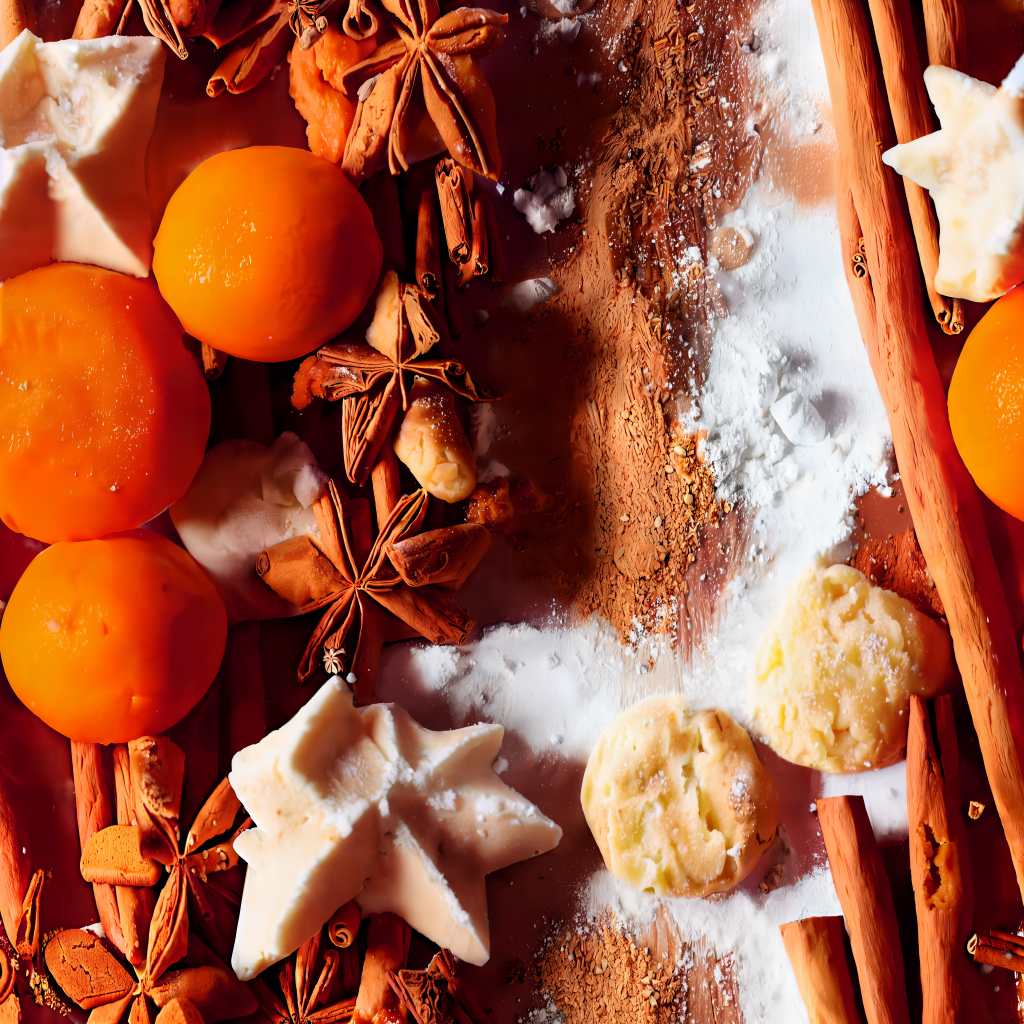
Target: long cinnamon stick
<point>815,949</point>
<point>15,868</point>
<point>428,245</point>
<point>453,187</point>
<point>387,949</point>
<point>945,28</point>
<point>911,115</point>
<point>940,493</point>
<point>13,20</point>
<point>939,867</point>
<point>387,488</point>
<point>866,899</point>
<point>135,904</point>
<point>95,812</point>
<point>98,18</point>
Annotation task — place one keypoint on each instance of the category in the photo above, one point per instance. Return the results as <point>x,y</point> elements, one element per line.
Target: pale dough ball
<point>837,667</point>
<point>678,803</point>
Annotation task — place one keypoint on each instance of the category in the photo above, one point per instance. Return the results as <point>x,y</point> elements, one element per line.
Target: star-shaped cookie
<point>370,805</point>
<point>974,169</point>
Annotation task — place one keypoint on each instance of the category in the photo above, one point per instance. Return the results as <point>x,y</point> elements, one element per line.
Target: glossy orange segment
<point>108,640</point>
<point>986,403</point>
<point>267,252</point>
<point>104,414</point>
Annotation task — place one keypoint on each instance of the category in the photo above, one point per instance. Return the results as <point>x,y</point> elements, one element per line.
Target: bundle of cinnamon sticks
<point>941,495</point>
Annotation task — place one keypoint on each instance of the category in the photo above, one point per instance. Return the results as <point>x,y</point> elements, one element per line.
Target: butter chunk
<point>974,169</point>
<point>80,112</point>
<point>837,667</point>
<point>370,805</point>
<point>432,443</point>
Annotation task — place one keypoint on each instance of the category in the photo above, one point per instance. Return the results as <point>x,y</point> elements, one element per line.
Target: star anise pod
<point>372,378</point>
<point>431,68</point>
<point>302,994</point>
<point>132,855</point>
<point>436,995</point>
<point>368,601</point>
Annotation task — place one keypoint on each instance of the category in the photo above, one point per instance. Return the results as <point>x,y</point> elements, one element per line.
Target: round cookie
<point>837,668</point>
<point>678,803</point>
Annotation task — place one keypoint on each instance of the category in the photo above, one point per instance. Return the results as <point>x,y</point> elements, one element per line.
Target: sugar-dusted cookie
<point>678,803</point>
<point>837,667</point>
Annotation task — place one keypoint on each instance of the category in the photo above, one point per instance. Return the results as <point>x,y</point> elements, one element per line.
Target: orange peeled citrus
<point>104,414</point>
<point>266,252</point>
<point>986,403</point>
<point>108,640</point>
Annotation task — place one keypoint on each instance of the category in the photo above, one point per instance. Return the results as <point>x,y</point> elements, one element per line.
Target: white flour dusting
<point>796,429</point>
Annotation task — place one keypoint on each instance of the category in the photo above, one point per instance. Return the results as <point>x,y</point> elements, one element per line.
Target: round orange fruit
<point>107,640</point>
<point>266,252</point>
<point>986,403</point>
<point>104,415</point>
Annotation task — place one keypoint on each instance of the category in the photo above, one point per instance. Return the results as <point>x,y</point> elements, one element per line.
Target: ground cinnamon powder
<point>602,972</point>
<point>638,288</point>
<point>896,563</point>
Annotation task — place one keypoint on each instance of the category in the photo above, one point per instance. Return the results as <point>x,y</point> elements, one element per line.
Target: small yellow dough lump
<point>837,668</point>
<point>678,803</point>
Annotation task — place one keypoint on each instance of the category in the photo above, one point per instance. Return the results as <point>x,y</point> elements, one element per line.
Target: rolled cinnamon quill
<point>15,868</point>
<point>298,571</point>
<point>866,899</point>
<point>815,949</point>
<point>941,495</point>
<point>442,557</point>
<point>428,246</point>
<point>988,949</point>
<point>343,927</point>
<point>911,115</point>
<point>453,185</point>
<point>387,949</point>
<point>945,28</point>
<point>939,862</point>
<point>95,811</point>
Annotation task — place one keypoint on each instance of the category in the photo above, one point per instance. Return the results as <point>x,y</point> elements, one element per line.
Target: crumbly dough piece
<point>837,668</point>
<point>678,803</point>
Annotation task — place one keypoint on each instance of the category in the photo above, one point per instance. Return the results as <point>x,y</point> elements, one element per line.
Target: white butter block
<point>89,106</point>
<point>974,169</point>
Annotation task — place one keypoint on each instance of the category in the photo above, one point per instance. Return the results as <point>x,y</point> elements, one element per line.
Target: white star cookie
<point>369,805</point>
<point>974,169</point>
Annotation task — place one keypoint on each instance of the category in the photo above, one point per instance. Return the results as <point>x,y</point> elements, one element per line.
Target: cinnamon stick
<point>98,18</point>
<point>815,949</point>
<point>911,115</point>
<point>214,361</point>
<point>13,20</point>
<point>442,557</point>
<point>135,904</point>
<point>939,867</point>
<point>343,927</point>
<point>453,185</point>
<point>940,493</point>
<point>297,571</point>
<point>387,488</point>
<point>945,28</point>
<point>15,868</point>
<point>494,249</point>
<point>428,246</point>
<point>387,949</point>
<point>987,950</point>
<point>92,791</point>
<point>479,255</point>
<point>866,899</point>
